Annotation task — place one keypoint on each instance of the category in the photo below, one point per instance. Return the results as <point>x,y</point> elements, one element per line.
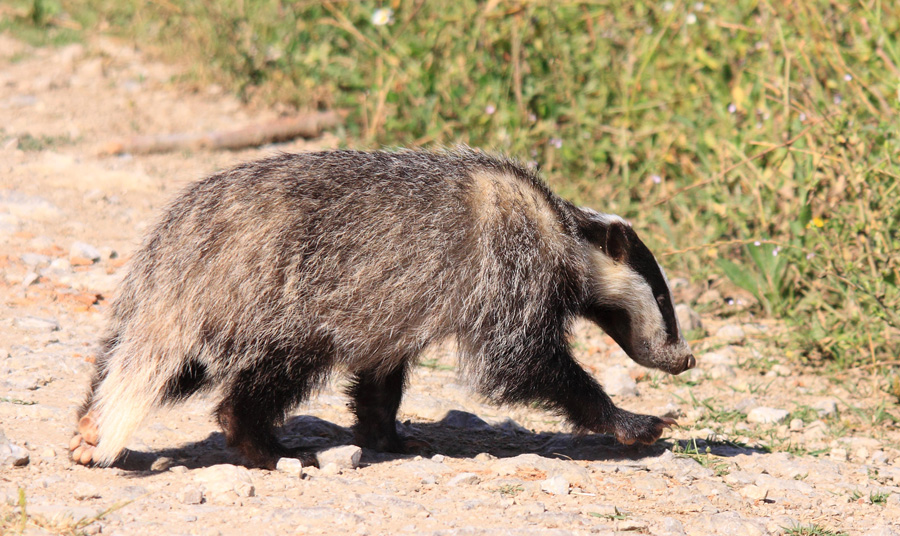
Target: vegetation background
<point>751,139</point>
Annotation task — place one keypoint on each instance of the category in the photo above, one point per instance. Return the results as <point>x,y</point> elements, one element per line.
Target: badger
<point>260,280</point>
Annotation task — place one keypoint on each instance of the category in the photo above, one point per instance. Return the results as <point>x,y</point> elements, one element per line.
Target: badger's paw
<point>631,428</point>
<point>83,443</point>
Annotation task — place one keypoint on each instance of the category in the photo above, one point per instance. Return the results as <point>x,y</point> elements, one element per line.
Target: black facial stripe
<point>642,261</point>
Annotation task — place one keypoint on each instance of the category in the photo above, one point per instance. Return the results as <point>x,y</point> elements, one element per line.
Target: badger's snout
<point>688,363</point>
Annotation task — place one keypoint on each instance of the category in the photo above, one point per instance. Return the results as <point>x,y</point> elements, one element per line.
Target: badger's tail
<point>132,387</point>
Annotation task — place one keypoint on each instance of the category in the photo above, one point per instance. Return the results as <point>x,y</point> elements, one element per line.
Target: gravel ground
<point>766,446</point>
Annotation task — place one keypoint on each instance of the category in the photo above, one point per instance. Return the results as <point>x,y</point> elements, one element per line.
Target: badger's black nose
<point>688,363</point>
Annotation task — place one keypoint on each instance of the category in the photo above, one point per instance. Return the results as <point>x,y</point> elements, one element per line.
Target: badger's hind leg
<point>257,398</point>
<point>375,398</point>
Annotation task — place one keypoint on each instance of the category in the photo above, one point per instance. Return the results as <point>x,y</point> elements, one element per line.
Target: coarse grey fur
<point>261,279</point>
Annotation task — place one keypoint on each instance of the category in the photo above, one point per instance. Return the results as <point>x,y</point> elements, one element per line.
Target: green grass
<point>811,530</point>
<point>749,140</point>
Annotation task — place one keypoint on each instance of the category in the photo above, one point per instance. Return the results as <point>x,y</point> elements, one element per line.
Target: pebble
<point>36,323</point>
<point>219,480</point>
<point>796,425</point>
<point>557,485</point>
<point>12,455</point>
<point>467,479</point>
<point>291,466</point>
<point>617,382</point>
<point>81,250</point>
<point>826,408</point>
<point>764,415</point>
<point>189,494</point>
<point>346,457</point>
<point>730,332</point>
<point>688,319</point>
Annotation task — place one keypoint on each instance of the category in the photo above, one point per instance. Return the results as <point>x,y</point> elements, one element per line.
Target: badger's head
<point>629,294</point>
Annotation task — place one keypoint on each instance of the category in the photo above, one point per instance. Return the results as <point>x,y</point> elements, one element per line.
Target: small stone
<point>429,480</point>
<point>796,425</point>
<point>12,455</point>
<point>346,457</point>
<point>861,454</point>
<point>179,469</point>
<point>34,323</point>
<point>879,458</point>
<point>464,479</point>
<point>826,408</point>
<point>722,371</point>
<point>224,478</point>
<point>291,466</point>
<point>688,319</point>
<point>754,493</point>
<point>669,526</point>
<point>48,452</point>
<point>632,525</point>
<point>557,485</point>
<point>838,454</point>
<point>438,458</point>
<point>84,491</point>
<point>81,250</point>
<point>617,382</point>
<point>190,494</point>
<point>484,457</point>
<point>730,332</point>
<point>764,415</point>
<point>779,370</point>
<point>535,508</point>
<point>331,468</point>
<point>464,419</point>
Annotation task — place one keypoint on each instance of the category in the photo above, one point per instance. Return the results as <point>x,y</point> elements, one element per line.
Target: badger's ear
<point>606,231</point>
<point>617,243</point>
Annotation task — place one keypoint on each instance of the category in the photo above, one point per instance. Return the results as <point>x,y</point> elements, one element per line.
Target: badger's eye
<point>661,299</point>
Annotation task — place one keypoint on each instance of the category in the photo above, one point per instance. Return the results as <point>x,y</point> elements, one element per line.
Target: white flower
<point>490,109</point>
<point>756,243</point>
<point>668,6</point>
<point>848,77</point>
<point>656,179</point>
<point>732,108</point>
<point>775,251</point>
<point>556,142</point>
<point>802,117</point>
<point>383,16</point>
<point>691,18</point>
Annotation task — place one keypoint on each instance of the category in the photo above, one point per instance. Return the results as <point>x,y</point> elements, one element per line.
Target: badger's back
<point>381,253</point>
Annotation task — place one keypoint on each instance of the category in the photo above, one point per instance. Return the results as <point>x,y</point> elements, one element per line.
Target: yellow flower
<point>815,222</point>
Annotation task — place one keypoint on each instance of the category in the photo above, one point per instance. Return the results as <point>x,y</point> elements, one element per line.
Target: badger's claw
<point>84,441</point>
<point>632,428</point>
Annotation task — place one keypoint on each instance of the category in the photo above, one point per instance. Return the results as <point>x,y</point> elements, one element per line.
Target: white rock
<point>189,494</point>
<point>826,408</point>
<point>688,319</point>
<point>464,479</point>
<point>12,455</point>
<point>617,382</point>
<point>84,251</point>
<point>557,485</point>
<point>764,415</point>
<point>346,457</point>
<point>224,478</point>
<point>796,425</point>
<point>331,468</point>
<point>722,371</point>
<point>84,491</point>
<point>730,332</point>
<point>754,493</point>
<point>291,466</point>
<point>34,323</point>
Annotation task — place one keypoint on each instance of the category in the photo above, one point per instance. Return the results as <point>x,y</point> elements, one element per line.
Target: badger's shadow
<point>459,435</point>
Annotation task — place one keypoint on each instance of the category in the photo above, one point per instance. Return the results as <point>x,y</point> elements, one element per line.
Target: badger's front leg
<point>554,378</point>
<point>587,406</point>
